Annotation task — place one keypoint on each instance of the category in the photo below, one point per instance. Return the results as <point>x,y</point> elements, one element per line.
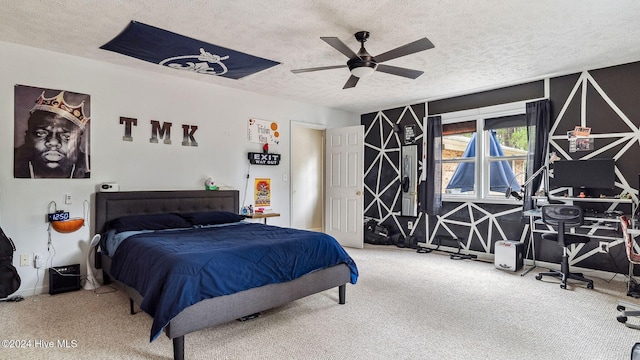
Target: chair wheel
<point>589,286</point>
<point>620,308</point>
<point>622,319</point>
<point>563,286</point>
<point>538,277</point>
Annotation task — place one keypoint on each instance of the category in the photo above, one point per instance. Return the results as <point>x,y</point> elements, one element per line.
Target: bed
<point>200,306</point>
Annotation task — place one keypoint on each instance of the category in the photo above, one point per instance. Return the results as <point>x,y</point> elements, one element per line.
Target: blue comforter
<point>175,269</point>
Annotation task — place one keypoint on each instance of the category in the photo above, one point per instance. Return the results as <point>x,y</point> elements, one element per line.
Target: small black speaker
<point>64,278</point>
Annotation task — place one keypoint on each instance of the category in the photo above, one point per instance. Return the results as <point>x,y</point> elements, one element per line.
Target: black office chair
<point>563,217</point>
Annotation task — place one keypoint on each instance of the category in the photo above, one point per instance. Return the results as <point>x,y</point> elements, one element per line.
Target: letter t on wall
<point>127,127</point>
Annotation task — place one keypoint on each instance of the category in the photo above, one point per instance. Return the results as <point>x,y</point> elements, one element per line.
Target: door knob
<point>358,192</point>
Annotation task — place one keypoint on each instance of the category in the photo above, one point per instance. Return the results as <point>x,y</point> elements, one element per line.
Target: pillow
<point>148,222</point>
<point>212,218</point>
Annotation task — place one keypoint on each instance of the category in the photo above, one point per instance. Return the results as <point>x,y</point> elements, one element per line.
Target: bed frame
<point>211,312</point>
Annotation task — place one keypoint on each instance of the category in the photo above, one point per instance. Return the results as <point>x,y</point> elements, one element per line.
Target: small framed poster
<point>263,131</point>
<point>262,192</point>
<point>409,134</point>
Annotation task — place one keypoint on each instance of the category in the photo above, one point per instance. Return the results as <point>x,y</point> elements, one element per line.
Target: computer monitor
<point>584,174</point>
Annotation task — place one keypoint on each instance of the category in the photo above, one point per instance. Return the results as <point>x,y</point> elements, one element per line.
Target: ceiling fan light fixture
<point>363,70</point>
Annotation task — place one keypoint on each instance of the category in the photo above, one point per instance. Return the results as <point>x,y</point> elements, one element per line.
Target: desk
<point>592,224</point>
<point>262,216</point>
<point>631,205</point>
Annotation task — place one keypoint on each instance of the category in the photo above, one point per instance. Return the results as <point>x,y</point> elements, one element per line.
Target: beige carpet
<point>405,306</point>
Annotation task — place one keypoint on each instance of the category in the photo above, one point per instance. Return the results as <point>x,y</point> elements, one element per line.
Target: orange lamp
<point>67,226</point>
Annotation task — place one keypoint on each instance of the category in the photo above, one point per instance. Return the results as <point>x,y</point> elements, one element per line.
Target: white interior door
<point>345,185</point>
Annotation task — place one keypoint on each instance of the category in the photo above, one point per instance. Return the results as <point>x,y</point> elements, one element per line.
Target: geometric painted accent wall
<point>604,99</point>
<point>608,105</point>
<point>382,190</point>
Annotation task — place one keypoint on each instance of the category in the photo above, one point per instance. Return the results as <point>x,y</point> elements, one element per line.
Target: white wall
<point>220,113</point>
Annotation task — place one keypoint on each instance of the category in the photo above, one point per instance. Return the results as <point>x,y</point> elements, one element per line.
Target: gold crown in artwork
<point>57,105</point>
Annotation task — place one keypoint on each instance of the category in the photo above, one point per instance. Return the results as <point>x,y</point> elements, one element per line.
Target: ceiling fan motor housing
<point>365,64</point>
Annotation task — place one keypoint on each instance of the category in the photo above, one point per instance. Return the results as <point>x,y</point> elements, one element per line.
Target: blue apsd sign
<point>176,51</point>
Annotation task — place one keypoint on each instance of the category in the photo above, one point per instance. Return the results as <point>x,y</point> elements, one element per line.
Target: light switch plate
<point>24,260</point>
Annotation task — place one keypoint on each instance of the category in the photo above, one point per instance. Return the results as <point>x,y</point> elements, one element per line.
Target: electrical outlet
<point>38,261</point>
<point>67,199</point>
<point>24,260</point>
<point>604,247</point>
<point>409,225</point>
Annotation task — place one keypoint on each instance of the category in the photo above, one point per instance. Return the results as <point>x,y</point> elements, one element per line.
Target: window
<point>484,153</point>
<point>458,158</point>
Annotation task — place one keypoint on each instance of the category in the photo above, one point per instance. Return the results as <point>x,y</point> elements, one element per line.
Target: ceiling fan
<point>363,64</point>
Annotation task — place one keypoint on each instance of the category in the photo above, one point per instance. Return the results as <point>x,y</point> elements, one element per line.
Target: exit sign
<point>264,159</point>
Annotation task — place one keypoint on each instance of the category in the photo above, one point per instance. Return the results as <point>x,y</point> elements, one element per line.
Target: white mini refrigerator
<point>508,255</point>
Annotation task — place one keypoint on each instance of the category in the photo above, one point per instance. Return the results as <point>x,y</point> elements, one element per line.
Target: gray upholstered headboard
<point>111,205</point>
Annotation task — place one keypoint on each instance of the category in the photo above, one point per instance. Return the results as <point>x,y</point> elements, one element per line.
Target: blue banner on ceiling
<point>163,47</point>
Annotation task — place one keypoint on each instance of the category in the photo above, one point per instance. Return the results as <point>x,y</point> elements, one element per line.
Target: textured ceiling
<point>478,44</point>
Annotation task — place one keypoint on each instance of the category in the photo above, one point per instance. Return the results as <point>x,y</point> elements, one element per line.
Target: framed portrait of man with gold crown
<point>51,133</point>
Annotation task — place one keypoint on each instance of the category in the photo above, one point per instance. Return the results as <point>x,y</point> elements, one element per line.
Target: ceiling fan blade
<point>410,48</point>
<point>298,71</point>
<point>353,80</point>
<point>394,70</point>
<point>340,46</point>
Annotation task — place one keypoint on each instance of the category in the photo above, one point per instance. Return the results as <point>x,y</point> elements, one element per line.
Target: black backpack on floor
<point>376,234</point>
<point>9,278</point>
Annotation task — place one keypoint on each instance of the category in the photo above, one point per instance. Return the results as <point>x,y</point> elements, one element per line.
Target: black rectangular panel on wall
<point>528,91</point>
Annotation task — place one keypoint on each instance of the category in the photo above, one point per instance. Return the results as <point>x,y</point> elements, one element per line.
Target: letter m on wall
<point>158,132</point>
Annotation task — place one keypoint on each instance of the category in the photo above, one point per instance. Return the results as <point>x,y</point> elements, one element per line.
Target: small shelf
<point>590,199</point>
<point>604,200</point>
<point>261,216</point>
